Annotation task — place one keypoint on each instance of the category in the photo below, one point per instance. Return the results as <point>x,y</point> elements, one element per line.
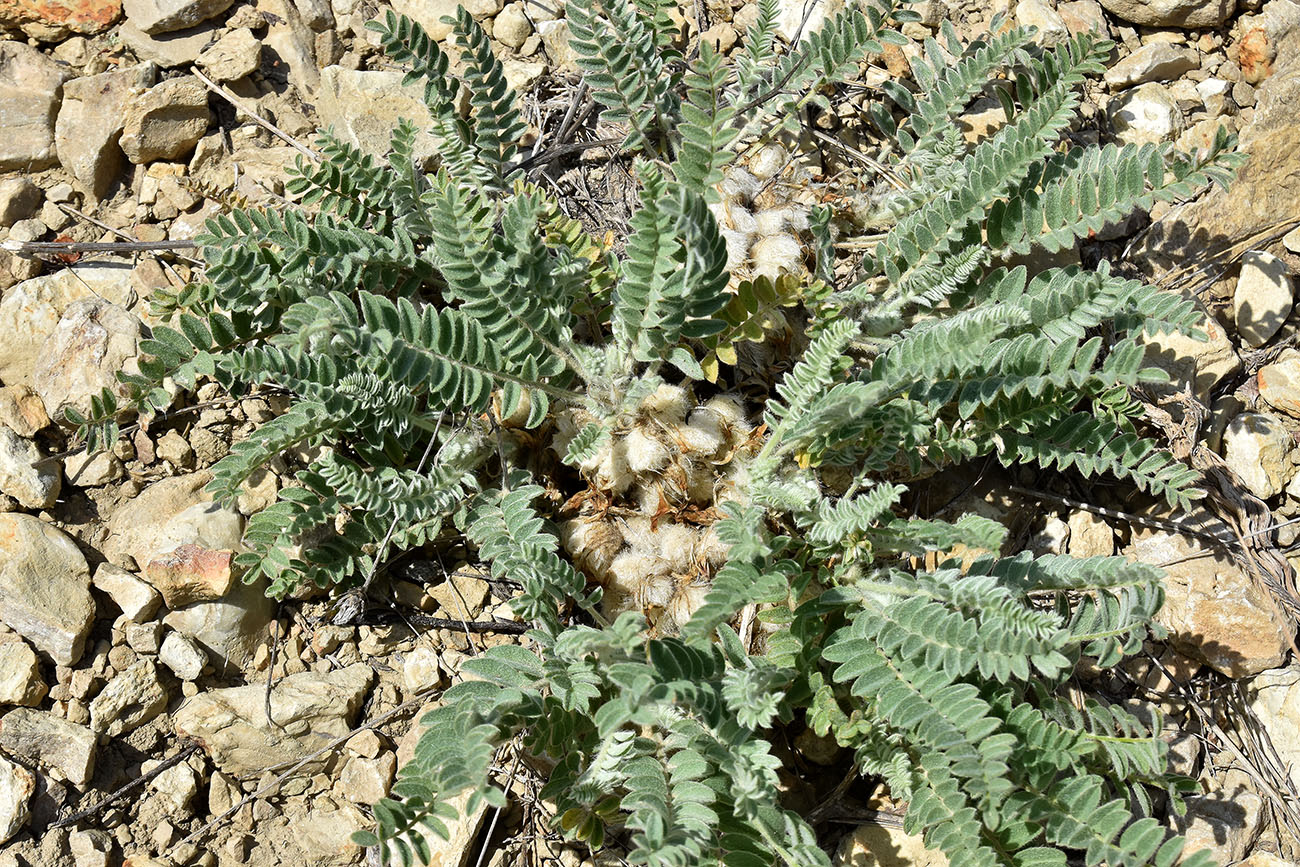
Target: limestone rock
<point>33,485</point>
<point>1145,115</point>
<point>421,670</point>
<point>555,36</point>
<point>364,781</point>
<point>1291,240</point>
<point>44,587</point>
<point>1158,61</point>
<point>1266,41</point>
<point>31,86</point>
<point>364,107</point>
<point>164,16</point>
<point>1275,699</point>
<point>307,709</point>
<point>51,742</point>
<point>138,601</point>
<point>1279,383</point>
<point>880,846</point>
<point>511,27</point>
<point>1186,14</point>
<point>183,656</point>
<point>168,50</point>
<point>1225,822</point>
<point>92,848</point>
<point>93,341</point>
<point>1267,185</point>
<point>521,74</point>
<point>31,310</point>
<point>325,835</point>
<point>229,630</point>
<point>167,514</point>
<point>1199,364</point>
<point>1260,858</point>
<point>20,677</point>
<point>1212,609</point>
<point>460,596</point>
<point>53,20</point>
<point>22,411</point>
<point>794,22</point>
<point>1084,16</point>
<point>1090,535</point>
<point>93,469</point>
<point>130,700</point>
<point>233,56</point>
<point>166,121</point>
<point>90,124</point>
<point>428,14</point>
<point>1037,13</point>
<point>16,788</point>
<point>291,45</point>
<point>1258,449</point>
<point>176,786</point>
<point>1263,298</point>
<point>19,199</point>
<point>191,573</point>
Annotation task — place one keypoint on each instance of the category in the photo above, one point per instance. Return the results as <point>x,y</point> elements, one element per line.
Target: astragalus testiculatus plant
<point>697,477</point>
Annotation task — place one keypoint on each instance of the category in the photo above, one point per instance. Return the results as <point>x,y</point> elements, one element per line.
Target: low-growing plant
<point>729,562</point>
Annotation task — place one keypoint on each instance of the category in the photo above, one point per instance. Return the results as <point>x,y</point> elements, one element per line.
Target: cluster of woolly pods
<point>761,229</point>
<point>649,542</point>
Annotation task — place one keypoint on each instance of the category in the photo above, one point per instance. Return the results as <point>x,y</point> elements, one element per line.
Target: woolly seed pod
<point>593,544</point>
<point>608,468</point>
<point>677,546</point>
<point>701,481</point>
<point>645,453</point>
<point>770,222</point>
<point>741,219</point>
<point>687,598</point>
<point>638,534</point>
<point>635,577</point>
<point>768,162</point>
<point>656,591</point>
<point>567,425</point>
<point>777,254</point>
<point>669,404</point>
<point>646,496</point>
<point>712,549</point>
<point>702,437</point>
<point>519,417</point>
<point>730,412</point>
<point>737,247</point>
<point>739,185</point>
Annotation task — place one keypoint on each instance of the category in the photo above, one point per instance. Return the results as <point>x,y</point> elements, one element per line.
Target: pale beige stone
<point>1212,609</point>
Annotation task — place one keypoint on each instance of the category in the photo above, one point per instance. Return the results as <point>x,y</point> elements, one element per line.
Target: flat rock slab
<point>90,123</point>
<point>31,310</point>
<point>31,85</point>
<point>51,742</point>
<point>16,788</point>
<point>44,587</point>
<point>308,711</point>
<point>164,16</point>
<point>130,700</point>
<point>1212,609</point>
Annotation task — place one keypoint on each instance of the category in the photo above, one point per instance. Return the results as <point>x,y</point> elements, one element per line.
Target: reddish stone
<point>191,574</point>
<point>1255,56</point>
<point>57,19</point>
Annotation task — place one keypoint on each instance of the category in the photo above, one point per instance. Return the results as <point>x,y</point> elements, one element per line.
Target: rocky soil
<point>256,733</point>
